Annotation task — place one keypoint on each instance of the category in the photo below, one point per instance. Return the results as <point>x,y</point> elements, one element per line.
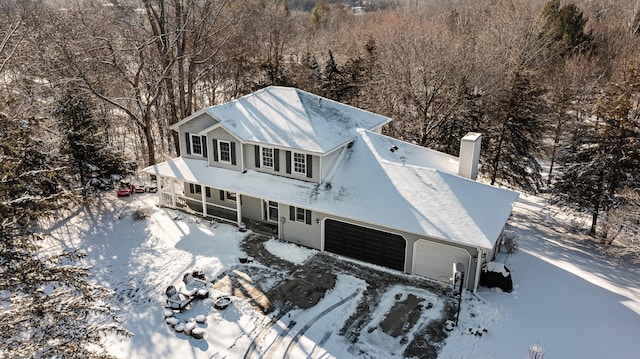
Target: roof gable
<point>292,118</point>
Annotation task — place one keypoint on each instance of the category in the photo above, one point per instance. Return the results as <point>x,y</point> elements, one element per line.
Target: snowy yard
<point>573,303</point>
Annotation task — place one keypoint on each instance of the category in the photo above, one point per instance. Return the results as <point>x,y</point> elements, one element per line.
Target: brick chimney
<point>469,155</point>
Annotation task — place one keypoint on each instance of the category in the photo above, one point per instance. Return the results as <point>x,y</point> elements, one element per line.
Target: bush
<point>510,244</point>
<point>140,214</point>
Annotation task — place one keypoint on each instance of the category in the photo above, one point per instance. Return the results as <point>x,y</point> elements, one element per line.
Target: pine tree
<point>49,307</point>
<point>96,165</point>
<point>466,116</point>
<point>563,30</point>
<point>606,160</point>
<point>514,135</point>
<point>334,84</point>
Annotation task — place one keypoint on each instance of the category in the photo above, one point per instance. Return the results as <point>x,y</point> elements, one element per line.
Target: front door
<point>271,211</point>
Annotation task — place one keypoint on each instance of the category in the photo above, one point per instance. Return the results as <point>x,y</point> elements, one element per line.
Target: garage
<point>435,260</point>
<point>365,244</point>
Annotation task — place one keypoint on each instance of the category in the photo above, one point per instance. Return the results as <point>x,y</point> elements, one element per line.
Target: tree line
<point>90,87</point>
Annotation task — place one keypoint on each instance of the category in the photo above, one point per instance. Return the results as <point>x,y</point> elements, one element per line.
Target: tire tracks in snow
<point>287,329</point>
<point>301,332</point>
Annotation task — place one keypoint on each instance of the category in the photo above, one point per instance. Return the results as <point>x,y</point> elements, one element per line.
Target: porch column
<point>159,187</point>
<point>238,209</point>
<point>478,268</point>
<point>173,193</point>
<point>204,201</point>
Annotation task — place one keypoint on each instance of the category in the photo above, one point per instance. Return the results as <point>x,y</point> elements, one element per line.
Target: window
<point>300,215</point>
<point>267,157</point>
<point>230,196</point>
<point>224,149</point>
<point>196,145</point>
<point>195,188</point>
<point>299,163</point>
<point>272,211</point>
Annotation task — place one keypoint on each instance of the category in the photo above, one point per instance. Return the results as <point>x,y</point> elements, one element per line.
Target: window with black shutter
<point>298,214</point>
<point>257,155</point>
<point>288,161</point>
<point>204,147</point>
<point>187,141</point>
<point>215,150</point>
<point>233,153</point>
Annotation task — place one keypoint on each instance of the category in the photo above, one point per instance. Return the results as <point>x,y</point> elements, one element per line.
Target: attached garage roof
<point>377,186</point>
<point>291,118</point>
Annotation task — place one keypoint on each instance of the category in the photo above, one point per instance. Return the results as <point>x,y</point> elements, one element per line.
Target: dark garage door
<point>364,244</point>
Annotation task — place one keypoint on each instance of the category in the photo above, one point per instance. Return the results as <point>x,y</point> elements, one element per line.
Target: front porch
<point>172,195</point>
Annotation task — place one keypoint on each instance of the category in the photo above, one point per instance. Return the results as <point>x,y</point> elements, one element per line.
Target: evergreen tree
<point>307,75</point>
<point>334,84</point>
<point>514,133</point>
<point>319,13</point>
<point>563,30</point>
<point>49,307</point>
<point>96,165</point>
<point>606,160</point>
<point>466,116</point>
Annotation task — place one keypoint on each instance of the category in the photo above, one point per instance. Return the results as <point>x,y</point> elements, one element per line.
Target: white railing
<point>194,206</point>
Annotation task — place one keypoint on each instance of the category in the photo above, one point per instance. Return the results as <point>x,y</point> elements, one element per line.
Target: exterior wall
<point>328,162</point>
<point>309,235</point>
<point>252,208</point>
<point>250,163</point>
<point>220,134</point>
<point>194,126</point>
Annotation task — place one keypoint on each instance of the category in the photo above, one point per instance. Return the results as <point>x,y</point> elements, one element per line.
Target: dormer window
<point>224,149</point>
<point>299,163</point>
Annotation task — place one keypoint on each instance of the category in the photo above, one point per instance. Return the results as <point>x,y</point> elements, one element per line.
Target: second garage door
<point>436,260</point>
<point>365,244</point>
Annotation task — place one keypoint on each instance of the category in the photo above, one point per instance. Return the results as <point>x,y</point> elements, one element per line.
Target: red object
<point>125,190</point>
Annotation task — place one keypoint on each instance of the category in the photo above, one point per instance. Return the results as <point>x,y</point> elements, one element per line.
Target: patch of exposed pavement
<point>274,285</point>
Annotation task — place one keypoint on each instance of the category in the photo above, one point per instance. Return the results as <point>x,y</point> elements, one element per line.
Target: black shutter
<point>309,165</point>
<point>215,150</point>
<point>191,188</point>
<point>276,160</point>
<point>292,213</point>
<point>221,195</point>
<point>288,161</point>
<point>257,152</point>
<point>233,153</point>
<point>208,190</point>
<point>204,147</point>
<point>187,140</point>
<point>307,216</point>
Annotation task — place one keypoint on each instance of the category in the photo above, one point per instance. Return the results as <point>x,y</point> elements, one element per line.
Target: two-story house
<point>318,173</point>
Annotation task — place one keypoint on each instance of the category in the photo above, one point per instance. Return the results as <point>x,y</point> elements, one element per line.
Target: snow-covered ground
<point>567,298</point>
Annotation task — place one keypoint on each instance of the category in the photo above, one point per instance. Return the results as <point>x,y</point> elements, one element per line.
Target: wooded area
<point>87,84</point>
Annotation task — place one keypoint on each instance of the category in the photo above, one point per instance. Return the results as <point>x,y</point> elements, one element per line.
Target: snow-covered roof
<point>292,118</point>
<point>408,190</point>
